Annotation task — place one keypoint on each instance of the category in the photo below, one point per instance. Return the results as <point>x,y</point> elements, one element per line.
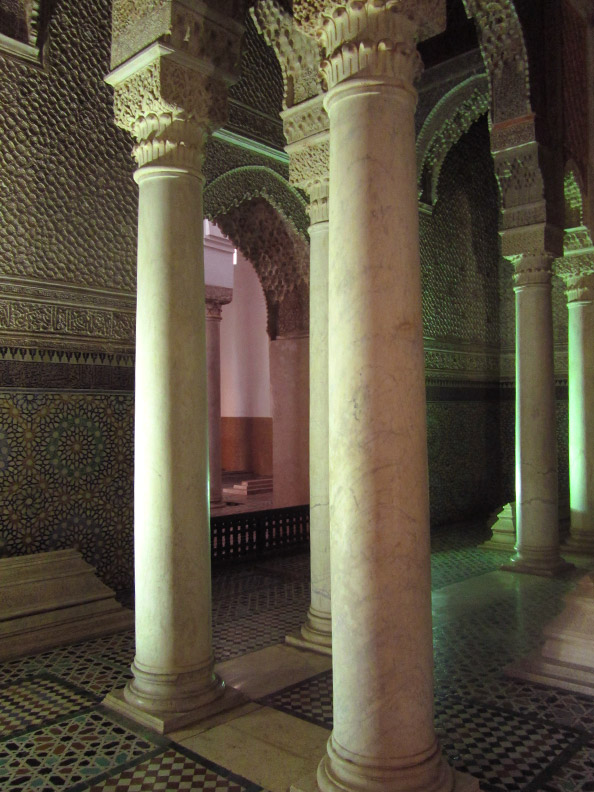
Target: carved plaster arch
<point>504,53</point>
<point>451,117</point>
<point>256,181</point>
<point>257,220</point>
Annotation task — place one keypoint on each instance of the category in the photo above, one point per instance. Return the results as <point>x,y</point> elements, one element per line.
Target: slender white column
<point>289,376</point>
<point>164,98</point>
<point>383,737</point>
<point>317,628</point>
<point>214,304</point>
<point>580,302</point>
<point>537,523</point>
<point>173,667</point>
<point>306,128</point>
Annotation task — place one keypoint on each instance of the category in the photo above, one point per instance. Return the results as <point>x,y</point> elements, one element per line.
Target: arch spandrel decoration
<point>256,181</point>
<point>504,53</point>
<point>265,217</point>
<point>451,117</point>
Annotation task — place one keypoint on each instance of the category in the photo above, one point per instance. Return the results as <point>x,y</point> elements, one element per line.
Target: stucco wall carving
<point>575,87</point>
<point>20,20</point>
<point>67,197</point>
<point>444,126</point>
<point>460,258</point>
<point>222,157</point>
<point>232,189</point>
<point>256,99</point>
<point>307,132</point>
<point>47,315</point>
<point>195,31</point>
<point>297,53</point>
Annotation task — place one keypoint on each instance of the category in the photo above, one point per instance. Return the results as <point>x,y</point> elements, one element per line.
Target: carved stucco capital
<point>370,39</point>
<point>215,298</point>
<point>307,132</point>
<point>168,106</point>
<point>532,269</point>
<point>576,266</point>
<point>429,16</point>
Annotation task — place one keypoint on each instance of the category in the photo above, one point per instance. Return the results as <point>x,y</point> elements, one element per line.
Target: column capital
<point>216,297</point>
<point>172,63</point>
<point>531,269</point>
<point>429,16</point>
<point>306,128</point>
<point>576,267</point>
<point>169,106</point>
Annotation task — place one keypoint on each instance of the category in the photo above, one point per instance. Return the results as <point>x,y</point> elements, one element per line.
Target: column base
<point>462,783</point>
<point>579,544</point>
<point>165,722</point>
<point>315,634</point>
<point>537,566</point>
<point>341,771</point>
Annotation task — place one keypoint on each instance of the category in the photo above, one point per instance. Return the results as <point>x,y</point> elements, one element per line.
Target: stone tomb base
<point>51,599</point>
<point>566,659</point>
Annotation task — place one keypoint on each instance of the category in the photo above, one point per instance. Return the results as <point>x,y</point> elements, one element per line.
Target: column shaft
<point>537,524</point>
<point>289,374</point>
<point>581,424</point>
<point>383,736</point>
<point>173,667</point>
<point>318,627</point>
<point>213,358</point>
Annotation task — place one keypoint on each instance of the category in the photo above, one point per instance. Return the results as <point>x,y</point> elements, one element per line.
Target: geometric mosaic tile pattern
<point>68,753</point>
<point>257,631</point>
<point>310,700</point>
<point>36,701</point>
<point>576,774</point>
<point>504,751</point>
<point>167,771</point>
<point>514,736</point>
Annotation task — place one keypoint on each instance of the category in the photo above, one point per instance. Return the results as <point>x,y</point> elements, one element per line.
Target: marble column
<point>306,129</point>
<point>383,736</point>
<point>289,377</point>
<point>537,520</point>
<point>216,297</point>
<point>317,628</point>
<point>580,303</point>
<point>170,105</point>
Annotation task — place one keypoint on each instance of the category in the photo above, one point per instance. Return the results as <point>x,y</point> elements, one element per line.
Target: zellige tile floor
<point>513,736</point>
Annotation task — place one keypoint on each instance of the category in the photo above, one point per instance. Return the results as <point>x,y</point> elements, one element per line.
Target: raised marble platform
<point>566,659</point>
<point>50,599</point>
<point>503,525</point>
